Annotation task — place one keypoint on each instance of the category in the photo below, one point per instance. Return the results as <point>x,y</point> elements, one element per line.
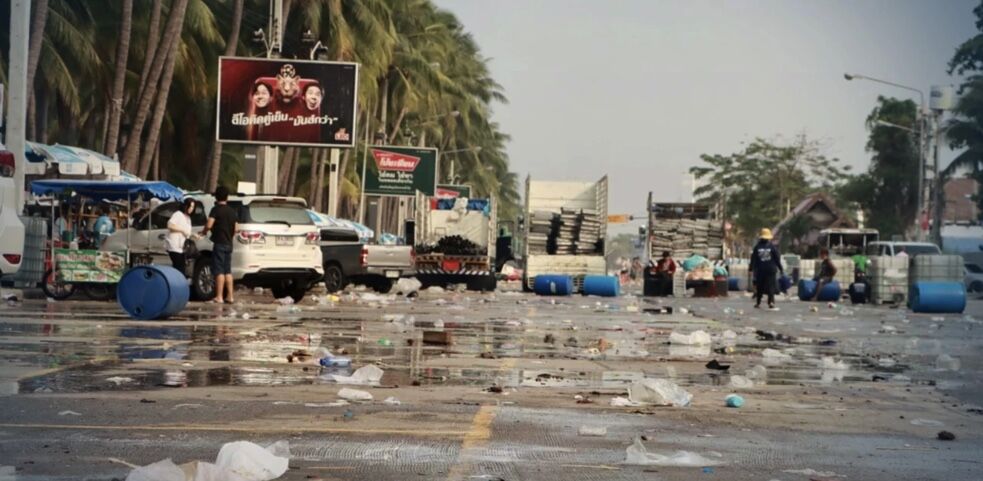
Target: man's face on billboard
<point>313,97</point>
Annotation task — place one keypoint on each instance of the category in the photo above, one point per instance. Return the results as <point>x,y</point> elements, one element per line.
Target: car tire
<point>99,292</point>
<point>294,289</point>
<point>334,278</point>
<point>483,284</point>
<point>54,290</point>
<point>202,280</point>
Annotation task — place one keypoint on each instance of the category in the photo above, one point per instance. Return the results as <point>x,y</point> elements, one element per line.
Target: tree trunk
<point>322,163</point>
<point>153,136</point>
<point>384,103</point>
<point>155,163</point>
<point>342,169</point>
<point>153,41</point>
<point>214,165</point>
<point>38,22</point>
<point>292,179</point>
<point>32,121</point>
<point>119,77</point>
<point>399,121</point>
<point>42,117</point>
<point>283,177</point>
<point>170,41</point>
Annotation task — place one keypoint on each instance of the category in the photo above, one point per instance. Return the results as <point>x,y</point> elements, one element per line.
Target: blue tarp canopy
<point>107,190</point>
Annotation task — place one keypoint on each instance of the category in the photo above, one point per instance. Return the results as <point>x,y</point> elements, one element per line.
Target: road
<point>87,391</point>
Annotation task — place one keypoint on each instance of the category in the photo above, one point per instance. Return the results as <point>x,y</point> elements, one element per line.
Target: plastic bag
<point>246,461</point>
<point>637,454</point>
<point>354,394</point>
<point>660,392</point>
<point>164,470</point>
<point>366,375</point>
<point>741,382</point>
<point>695,338</point>
<point>407,286</point>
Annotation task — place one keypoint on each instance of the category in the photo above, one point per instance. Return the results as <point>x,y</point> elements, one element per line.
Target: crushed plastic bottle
<point>332,361</point>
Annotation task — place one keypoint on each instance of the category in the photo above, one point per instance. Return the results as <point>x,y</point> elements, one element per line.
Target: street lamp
<point>920,120</point>
<point>450,174</point>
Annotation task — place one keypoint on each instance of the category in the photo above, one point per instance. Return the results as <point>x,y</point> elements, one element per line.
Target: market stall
<point>73,265</point>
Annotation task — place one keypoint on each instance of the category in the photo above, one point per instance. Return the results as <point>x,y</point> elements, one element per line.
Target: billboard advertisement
<point>400,171</point>
<point>453,190</point>
<point>286,102</point>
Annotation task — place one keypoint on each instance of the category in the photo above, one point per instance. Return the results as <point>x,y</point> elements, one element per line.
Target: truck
<point>683,229</point>
<point>347,260</point>
<point>456,242</point>
<point>564,229</point>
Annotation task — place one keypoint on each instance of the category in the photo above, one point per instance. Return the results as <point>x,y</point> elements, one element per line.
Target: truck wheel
<point>334,279</point>
<point>202,280</point>
<point>483,284</point>
<point>56,290</point>
<point>382,286</point>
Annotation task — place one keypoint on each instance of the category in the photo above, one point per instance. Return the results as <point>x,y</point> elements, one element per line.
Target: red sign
<point>386,160</point>
<point>447,193</point>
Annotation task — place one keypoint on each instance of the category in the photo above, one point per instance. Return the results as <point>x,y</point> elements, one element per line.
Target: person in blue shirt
<point>766,263</point>
<point>103,227</point>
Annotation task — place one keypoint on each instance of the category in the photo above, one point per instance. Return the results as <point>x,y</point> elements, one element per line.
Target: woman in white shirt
<point>178,231</point>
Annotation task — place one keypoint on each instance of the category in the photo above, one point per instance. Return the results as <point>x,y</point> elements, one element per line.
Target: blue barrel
<point>553,285</point>
<point>784,284</point>
<point>830,292</point>
<point>733,283</point>
<point>807,289</point>
<point>938,297</point>
<point>152,292</point>
<point>604,286</point>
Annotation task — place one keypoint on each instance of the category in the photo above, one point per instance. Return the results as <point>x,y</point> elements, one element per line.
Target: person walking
<point>766,263</point>
<point>222,222</point>
<point>827,271</point>
<point>178,233</point>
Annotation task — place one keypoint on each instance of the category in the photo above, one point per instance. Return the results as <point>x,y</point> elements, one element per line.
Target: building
<point>818,212</point>
<point>959,204</point>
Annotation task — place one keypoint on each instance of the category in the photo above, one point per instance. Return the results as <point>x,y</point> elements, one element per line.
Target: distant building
<point>818,212</point>
<point>959,205</point>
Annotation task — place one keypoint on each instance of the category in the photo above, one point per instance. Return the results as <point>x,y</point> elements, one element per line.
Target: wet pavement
<point>495,386</point>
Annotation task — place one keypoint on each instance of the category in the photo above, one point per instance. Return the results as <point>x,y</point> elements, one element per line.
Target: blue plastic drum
<point>938,297</point>
<point>553,285</point>
<point>152,292</point>
<point>807,290</point>
<point>604,286</point>
<point>734,283</point>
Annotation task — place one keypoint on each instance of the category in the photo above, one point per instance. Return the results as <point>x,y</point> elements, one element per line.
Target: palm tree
<point>119,78</point>
<point>213,167</point>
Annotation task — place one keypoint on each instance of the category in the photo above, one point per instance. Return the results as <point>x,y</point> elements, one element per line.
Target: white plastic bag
<point>164,470</point>
<point>407,286</point>
<point>659,392</point>
<point>246,461</point>
<point>369,374</point>
<point>695,338</point>
<point>622,402</point>
<point>741,382</point>
<point>354,394</point>
<point>637,454</point>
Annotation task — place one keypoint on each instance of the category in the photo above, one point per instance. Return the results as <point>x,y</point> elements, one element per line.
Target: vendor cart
<point>93,270</point>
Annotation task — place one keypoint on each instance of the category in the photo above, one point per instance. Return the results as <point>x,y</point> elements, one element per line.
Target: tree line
<point>138,78</point>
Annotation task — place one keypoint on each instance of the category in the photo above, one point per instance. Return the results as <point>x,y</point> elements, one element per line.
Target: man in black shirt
<point>766,263</point>
<point>827,271</point>
<point>222,223</point>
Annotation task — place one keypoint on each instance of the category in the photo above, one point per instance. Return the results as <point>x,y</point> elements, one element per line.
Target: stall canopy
<point>70,160</point>
<point>107,190</point>
<point>322,220</point>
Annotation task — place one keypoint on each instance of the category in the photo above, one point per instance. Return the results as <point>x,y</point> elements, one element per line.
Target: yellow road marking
<point>251,429</point>
<point>479,433</point>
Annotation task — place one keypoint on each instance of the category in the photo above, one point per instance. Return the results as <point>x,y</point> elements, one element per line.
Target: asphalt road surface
<point>495,386</point>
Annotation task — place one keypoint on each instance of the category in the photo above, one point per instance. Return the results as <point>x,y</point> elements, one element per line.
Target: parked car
<point>277,244</point>
<point>11,228</point>
<point>348,261</point>
<point>974,278</point>
<point>886,248</point>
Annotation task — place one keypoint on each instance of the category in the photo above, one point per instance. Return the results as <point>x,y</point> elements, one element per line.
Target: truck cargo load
<point>683,229</point>
<point>565,229</point>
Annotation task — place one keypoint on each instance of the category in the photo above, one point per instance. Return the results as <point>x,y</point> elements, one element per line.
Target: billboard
<point>286,102</point>
<point>453,190</point>
<point>400,171</point>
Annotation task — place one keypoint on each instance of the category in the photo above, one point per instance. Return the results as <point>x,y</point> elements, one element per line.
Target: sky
<point>638,89</point>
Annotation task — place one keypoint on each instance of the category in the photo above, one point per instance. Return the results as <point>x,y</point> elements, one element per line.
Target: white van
<point>11,228</point>
<point>895,248</point>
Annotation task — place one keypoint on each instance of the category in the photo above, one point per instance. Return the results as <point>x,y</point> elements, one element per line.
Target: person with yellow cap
<point>766,263</point>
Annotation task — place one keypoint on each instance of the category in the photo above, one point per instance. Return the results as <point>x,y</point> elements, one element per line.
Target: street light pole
<point>450,176</point>
<point>922,157</point>
<point>20,18</point>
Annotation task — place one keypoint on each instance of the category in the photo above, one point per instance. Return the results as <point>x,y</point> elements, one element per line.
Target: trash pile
<point>236,461</point>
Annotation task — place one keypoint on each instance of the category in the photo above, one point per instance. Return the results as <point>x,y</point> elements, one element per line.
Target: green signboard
<point>453,190</point>
<point>400,171</point>
<point>89,265</point>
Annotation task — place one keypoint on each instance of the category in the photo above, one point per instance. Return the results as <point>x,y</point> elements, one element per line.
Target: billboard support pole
<point>333,182</point>
<point>268,160</point>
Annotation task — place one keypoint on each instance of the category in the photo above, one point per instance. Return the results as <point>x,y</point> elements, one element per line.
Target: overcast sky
<point>639,89</point>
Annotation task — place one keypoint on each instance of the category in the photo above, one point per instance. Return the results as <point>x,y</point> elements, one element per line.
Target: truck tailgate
<point>400,257</point>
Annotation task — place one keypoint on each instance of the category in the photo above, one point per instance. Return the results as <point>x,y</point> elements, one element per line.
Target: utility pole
<point>20,21</point>
<point>938,185</point>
